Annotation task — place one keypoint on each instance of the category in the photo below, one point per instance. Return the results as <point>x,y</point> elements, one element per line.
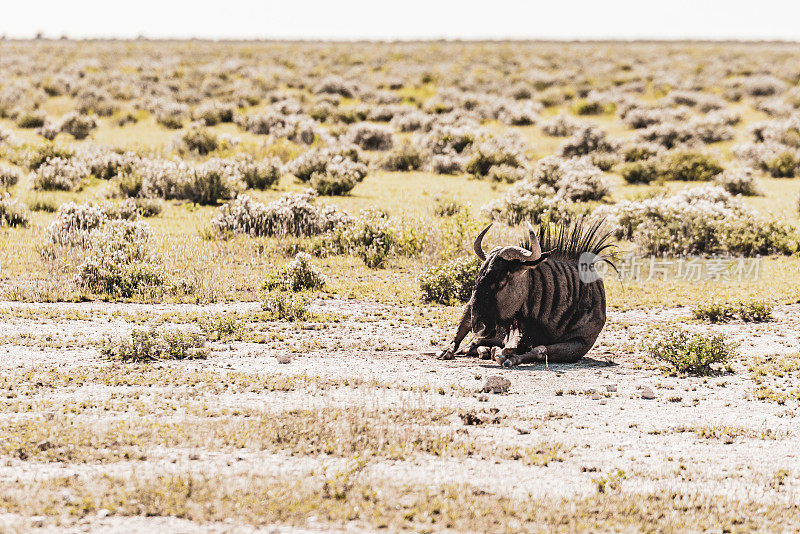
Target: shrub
<point>703,220</point>
<point>784,165</point>
<point>639,172</point>
<point>120,261</point>
<point>31,119</point>
<point>693,354</point>
<point>212,113</point>
<point>149,207</point>
<point>554,191</point>
<point>39,155</point>
<point>447,164</point>
<point>339,178</point>
<point>290,215</point>
<point>584,141</point>
<point>9,176</point>
<point>755,311</point>
<point>587,107</point>
<point>404,157</point>
<point>561,126</point>
<point>450,283</point>
<point>77,125</point>
<point>210,182</point>
<point>371,237</point>
<point>198,139</point>
<point>154,345</point>
<point>59,173</point>
<point>495,151</point>
<point>369,136</point>
<point>286,306</point>
<point>12,212</point>
<point>261,174</point>
<point>223,327</point>
<point>689,166</point>
<point>715,312</point>
<point>298,275</point>
<point>738,182</point>
<point>506,173</point>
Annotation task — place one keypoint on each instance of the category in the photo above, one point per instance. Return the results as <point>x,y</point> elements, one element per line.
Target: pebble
<point>284,358</point>
<point>496,384</point>
<point>522,430</point>
<point>611,388</point>
<point>483,397</point>
<point>44,445</point>
<point>103,512</point>
<point>648,393</point>
<point>37,521</point>
<point>596,396</point>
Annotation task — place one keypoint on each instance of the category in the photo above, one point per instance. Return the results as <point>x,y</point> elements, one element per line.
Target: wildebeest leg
<point>509,348</point>
<point>566,352</point>
<point>464,326</point>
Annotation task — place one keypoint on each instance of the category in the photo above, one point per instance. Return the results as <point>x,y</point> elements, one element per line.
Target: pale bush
<point>291,215</point>
<point>59,173</point>
<point>120,261</point>
<point>562,125</point>
<point>155,345</point>
<point>586,140</point>
<point>339,178</point>
<point>404,157</point>
<point>77,125</point>
<point>703,220</point>
<point>369,136</point>
<point>9,176</point>
<point>13,212</point>
<point>298,275</point>
<point>738,182</point>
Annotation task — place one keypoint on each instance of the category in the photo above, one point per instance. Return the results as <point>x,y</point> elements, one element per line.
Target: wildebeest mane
<point>569,239</point>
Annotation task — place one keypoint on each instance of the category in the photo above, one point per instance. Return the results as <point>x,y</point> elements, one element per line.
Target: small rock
<point>44,445</point>
<point>611,388</point>
<point>102,512</point>
<point>522,430</point>
<point>648,393</point>
<point>483,397</point>
<point>496,384</point>
<point>603,401</point>
<point>284,358</point>
<point>37,521</point>
<point>596,396</point>
<point>591,391</point>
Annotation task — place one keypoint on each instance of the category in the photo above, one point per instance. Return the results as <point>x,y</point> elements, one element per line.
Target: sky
<point>406,19</point>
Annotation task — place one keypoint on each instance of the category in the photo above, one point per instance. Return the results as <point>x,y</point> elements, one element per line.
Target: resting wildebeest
<point>530,305</point>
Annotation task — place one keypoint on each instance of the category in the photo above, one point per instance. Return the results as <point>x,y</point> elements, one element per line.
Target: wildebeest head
<point>502,285</point>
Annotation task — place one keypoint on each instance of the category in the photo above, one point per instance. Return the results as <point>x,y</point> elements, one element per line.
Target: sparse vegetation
<point>693,354</point>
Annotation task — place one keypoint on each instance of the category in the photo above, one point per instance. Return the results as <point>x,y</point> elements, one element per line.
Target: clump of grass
<point>449,207</point>
<point>153,345</point>
<point>298,275</point>
<point>450,282</point>
<point>716,312</point>
<point>286,306</point>
<point>12,212</point>
<point>223,327</point>
<point>692,354</point>
<point>755,311</point>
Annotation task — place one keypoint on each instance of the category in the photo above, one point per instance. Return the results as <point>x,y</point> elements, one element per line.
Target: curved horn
<point>536,249</point>
<point>519,254</point>
<point>477,244</point>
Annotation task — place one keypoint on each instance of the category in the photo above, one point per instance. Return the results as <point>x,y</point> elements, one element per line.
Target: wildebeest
<point>530,305</point>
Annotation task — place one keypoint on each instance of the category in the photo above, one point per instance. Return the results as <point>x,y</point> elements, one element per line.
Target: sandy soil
<point>594,409</point>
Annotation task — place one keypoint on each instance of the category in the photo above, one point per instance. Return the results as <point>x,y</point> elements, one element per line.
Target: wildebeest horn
<point>520,254</point>
<point>535,247</point>
<point>477,244</point>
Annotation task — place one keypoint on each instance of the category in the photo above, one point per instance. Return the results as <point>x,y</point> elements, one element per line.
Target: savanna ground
<point>345,420</point>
